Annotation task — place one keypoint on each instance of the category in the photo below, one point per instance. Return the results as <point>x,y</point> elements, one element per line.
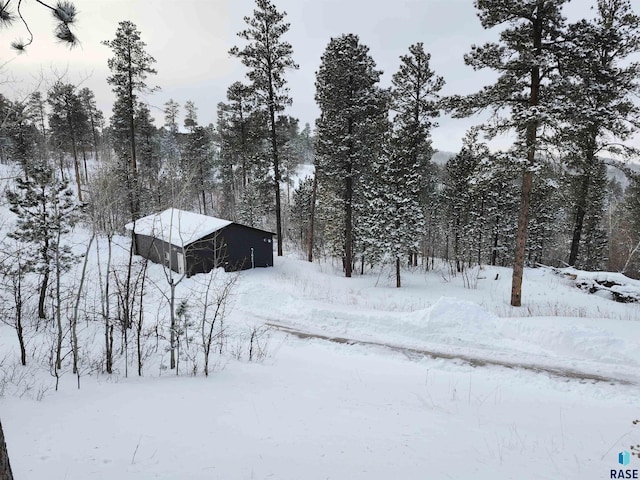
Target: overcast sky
<point>190,40</point>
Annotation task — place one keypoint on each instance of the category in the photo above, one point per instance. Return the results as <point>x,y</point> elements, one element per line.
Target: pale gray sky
<point>190,40</point>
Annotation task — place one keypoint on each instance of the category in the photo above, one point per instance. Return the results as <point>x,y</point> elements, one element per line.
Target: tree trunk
<point>5,467</point>
<point>312,218</point>
<point>580,214</point>
<point>106,310</point>
<point>204,197</point>
<point>76,167</point>
<point>45,280</point>
<point>172,332</point>
<point>274,148</point>
<point>23,348</point>
<point>58,300</point>
<point>243,142</point>
<point>398,283</point>
<point>108,328</point>
<point>348,214</point>
<point>95,137</point>
<point>74,318</point>
<point>19,305</point>
<point>577,234</point>
<point>348,239</point>
<point>84,160</point>
<point>527,176</point>
<point>141,319</point>
<point>131,101</point>
<point>494,253</point>
<point>521,240</point>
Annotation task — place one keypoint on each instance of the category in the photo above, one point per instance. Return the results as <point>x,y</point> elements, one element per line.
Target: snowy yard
<point>321,410</point>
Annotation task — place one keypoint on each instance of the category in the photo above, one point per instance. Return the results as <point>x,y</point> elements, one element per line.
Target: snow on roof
<point>177,227</point>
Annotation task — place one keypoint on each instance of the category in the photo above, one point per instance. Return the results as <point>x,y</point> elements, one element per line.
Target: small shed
<point>191,243</point>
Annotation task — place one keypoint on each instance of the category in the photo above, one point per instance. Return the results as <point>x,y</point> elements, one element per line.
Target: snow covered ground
<point>321,410</point>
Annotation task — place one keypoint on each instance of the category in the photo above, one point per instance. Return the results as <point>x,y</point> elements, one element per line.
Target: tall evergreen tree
<point>598,107</point>
<point>459,198</point>
<point>171,146</point>
<point>495,210</point>
<point>69,123</point>
<point>307,146</point>
<point>19,135</point>
<point>548,210</point>
<point>593,244</point>
<point>148,145</point>
<point>46,208</point>
<point>198,157</point>
<point>191,115</point>
<point>525,59</point>
<point>415,100</point>
<point>268,58</point>
<point>95,117</point>
<point>37,113</point>
<point>627,232</point>
<point>241,128</point>
<point>352,111</point>
<point>301,212</point>
<point>130,66</point>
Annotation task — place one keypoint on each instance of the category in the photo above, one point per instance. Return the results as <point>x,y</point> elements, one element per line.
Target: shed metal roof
<point>177,227</point>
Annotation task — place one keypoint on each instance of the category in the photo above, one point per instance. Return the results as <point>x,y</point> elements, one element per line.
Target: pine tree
<point>268,58</point>
<point>415,100</point>
<point>191,115</point>
<point>495,183</point>
<point>593,244</point>
<point>307,145</point>
<point>525,60</point>
<point>301,199</point>
<point>37,114</point>
<point>69,123</point>
<point>288,131</point>
<point>171,148</point>
<point>46,209</point>
<point>148,145</point>
<point>459,198</point>
<point>176,177</point>
<point>95,117</point>
<point>598,107</point>
<point>20,136</point>
<point>241,128</point>
<point>130,66</point>
<point>627,232</point>
<point>198,155</point>
<point>548,207</point>
<point>352,112</point>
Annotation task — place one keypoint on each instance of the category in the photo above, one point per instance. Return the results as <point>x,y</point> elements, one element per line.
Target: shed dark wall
<point>230,247</point>
<point>154,249</point>
<point>242,240</point>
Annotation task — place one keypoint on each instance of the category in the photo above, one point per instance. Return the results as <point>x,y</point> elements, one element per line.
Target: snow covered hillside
<point>545,391</point>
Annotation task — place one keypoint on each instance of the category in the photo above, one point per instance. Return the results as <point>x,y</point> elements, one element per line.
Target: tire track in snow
<point>474,361</point>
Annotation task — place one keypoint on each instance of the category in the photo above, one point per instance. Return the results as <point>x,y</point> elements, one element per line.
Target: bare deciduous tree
<point>215,297</point>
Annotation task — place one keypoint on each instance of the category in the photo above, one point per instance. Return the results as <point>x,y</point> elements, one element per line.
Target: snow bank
<point>620,287</point>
